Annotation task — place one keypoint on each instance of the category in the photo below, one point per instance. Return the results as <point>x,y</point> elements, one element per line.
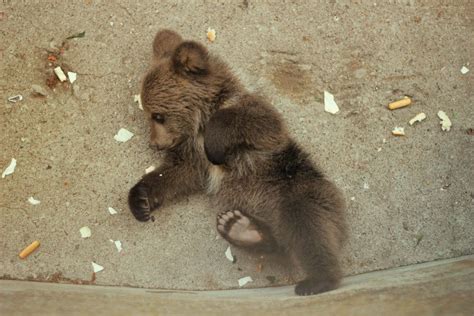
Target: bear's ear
<point>191,58</point>
<point>165,43</point>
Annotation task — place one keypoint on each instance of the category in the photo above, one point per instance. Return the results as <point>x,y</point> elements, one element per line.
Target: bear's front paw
<point>140,201</point>
<point>313,286</point>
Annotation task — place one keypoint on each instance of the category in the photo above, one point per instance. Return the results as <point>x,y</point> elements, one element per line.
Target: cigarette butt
<point>28,250</point>
<point>399,104</point>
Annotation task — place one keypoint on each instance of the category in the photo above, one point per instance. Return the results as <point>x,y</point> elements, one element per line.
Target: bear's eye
<point>158,118</point>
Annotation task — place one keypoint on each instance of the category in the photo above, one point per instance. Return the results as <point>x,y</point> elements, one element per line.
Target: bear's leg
<point>243,231</point>
<point>163,185</point>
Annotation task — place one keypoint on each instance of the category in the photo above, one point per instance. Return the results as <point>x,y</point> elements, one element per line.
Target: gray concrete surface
<point>440,288</point>
<point>411,199</point>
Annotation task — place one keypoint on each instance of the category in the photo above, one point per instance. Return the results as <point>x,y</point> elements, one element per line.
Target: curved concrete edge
<point>441,287</point>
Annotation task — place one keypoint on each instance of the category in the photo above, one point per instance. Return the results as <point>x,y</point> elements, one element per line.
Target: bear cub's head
<point>182,89</point>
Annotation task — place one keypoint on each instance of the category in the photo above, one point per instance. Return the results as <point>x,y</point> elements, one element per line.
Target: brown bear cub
<point>220,139</point>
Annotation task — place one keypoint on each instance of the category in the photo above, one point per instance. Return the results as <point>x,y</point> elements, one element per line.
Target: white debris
<point>366,186</point>
<point>464,70</point>
<point>72,76</point>
<point>398,131</point>
<point>330,105</point>
<point>10,169</point>
<point>228,254</point>
<point>137,98</point>
<point>85,232</point>
<point>39,90</point>
<point>112,211</point>
<point>33,201</point>
<point>60,73</point>
<point>211,34</point>
<point>150,169</point>
<point>97,267</point>
<point>379,149</point>
<point>15,98</point>
<point>118,245</point>
<point>123,135</point>
<point>245,280</point>
<point>445,121</point>
<point>353,198</point>
<point>418,118</point>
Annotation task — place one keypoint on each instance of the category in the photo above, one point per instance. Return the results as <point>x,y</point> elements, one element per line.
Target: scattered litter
<point>33,201</point>
<point>15,98</point>
<point>28,250</point>
<point>366,186</point>
<point>445,121</point>
<point>123,135</point>
<point>245,280</point>
<point>398,131</point>
<point>160,174</point>
<point>97,267</point>
<point>384,141</point>
<point>353,198</point>
<point>229,256</point>
<point>85,232</point>
<point>400,103</point>
<point>137,98</point>
<point>150,169</point>
<point>10,169</point>
<point>211,34</point>
<point>77,35</point>
<point>330,105</point>
<point>72,76</point>
<point>112,211</point>
<point>118,245</point>
<point>39,90</point>
<point>464,70</point>
<point>60,73</point>
<point>379,149</point>
<point>418,118</point>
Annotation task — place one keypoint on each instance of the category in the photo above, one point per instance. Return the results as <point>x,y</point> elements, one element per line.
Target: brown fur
<point>219,138</point>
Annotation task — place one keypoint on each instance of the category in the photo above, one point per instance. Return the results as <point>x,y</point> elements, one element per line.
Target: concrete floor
<point>411,199</point>
<point>445,287</point>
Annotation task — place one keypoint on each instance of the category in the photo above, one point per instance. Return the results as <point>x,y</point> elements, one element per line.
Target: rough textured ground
<point>411,199</point>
